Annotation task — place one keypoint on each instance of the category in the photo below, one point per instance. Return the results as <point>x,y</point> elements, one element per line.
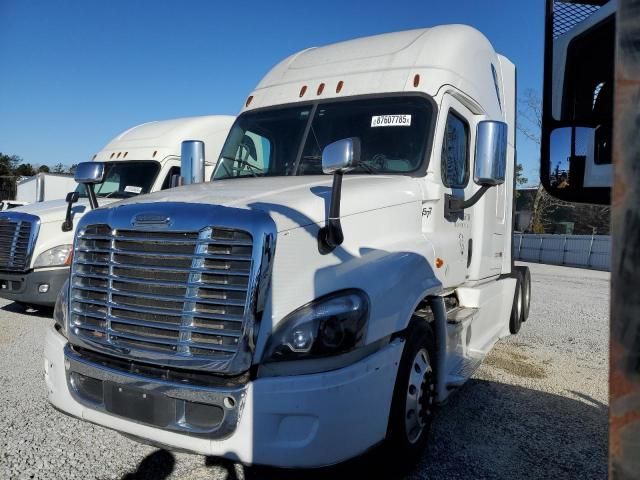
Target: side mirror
<point>579,157</point>
<point>490,165</point>
<point>337,158</point>
<point>192,162</point>
<point>175,181</point>
<point>88,174</point>
<point>341,156</point>
<point>491,153</point>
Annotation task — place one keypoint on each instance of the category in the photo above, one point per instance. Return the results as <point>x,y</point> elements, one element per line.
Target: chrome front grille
<point>17,232</point>
<point>174,294</point>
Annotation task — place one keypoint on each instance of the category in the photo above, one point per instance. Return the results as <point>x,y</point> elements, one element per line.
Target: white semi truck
<point>347,269</point>
<point>35,248</point>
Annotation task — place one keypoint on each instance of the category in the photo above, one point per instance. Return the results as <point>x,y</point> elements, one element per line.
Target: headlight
<point>54,257</point>
<point>327,326</point>
<point>61,310</point>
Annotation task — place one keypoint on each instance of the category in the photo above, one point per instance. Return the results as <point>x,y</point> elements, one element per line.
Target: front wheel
<point>414,395</point>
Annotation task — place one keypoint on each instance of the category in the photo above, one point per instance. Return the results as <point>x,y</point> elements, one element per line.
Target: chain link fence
<point>590,251</point>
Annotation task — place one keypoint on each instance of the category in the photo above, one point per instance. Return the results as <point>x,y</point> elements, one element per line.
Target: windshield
<point>393,131</point>
<point>125,179</point>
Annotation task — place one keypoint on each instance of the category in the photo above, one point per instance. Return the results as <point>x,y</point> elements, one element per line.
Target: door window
<point>250,157</point>
<point>455,152</point>
<point>167,180</point>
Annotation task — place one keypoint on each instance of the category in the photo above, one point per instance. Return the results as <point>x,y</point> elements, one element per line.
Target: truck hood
<point>294,201</point>
<point>56,210</point>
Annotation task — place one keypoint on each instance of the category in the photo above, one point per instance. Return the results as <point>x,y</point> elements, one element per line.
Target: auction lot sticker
<point>391,121</point>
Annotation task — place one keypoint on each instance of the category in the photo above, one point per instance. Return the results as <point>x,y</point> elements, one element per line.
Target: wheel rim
<point>419,396</point>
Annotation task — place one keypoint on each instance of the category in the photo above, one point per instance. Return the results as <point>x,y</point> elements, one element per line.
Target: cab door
<point>456,134</point>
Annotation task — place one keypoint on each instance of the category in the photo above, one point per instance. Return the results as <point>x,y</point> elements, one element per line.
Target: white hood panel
<point>295,201</point>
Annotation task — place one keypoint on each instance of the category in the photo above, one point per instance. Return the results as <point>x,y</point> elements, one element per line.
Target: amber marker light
<point>69,259</point>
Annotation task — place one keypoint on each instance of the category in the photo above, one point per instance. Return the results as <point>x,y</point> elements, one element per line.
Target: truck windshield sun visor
<point>284,141</point>
<point>125,179</point>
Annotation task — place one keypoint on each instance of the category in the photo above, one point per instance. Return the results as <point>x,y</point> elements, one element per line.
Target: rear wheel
<point>515,322</point>
<point>525,276</point>
<point>414,395</point>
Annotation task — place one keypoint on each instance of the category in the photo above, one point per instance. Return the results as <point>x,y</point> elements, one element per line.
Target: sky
<point>76,73</point>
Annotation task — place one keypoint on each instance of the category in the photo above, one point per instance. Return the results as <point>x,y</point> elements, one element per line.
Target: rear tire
<point>525,275</point>
<point>515,322</point>
<point>414,396</point>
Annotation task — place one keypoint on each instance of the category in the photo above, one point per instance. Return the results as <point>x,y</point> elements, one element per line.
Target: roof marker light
<point>119,153</point>
<point>94,156</point>
<point>320,89</point>
<point>248,102</point>
<point>154,154</point>
<point>416,80</point>
<point>112,155</point>
<point>125,154</point>
<point>339,86</point>
<point>303,90</point>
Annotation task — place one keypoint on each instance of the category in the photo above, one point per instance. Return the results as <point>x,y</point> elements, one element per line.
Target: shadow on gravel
<point>495,430</point>
<point>486,430</point>
<point>155,466</point>
<point>373,464</point>
<point>35,311</point>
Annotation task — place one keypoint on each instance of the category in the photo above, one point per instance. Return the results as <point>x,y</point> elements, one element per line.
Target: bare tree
<point>530,115</point>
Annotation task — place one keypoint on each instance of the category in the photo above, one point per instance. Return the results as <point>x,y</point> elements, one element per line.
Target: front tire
<point>414,396</point>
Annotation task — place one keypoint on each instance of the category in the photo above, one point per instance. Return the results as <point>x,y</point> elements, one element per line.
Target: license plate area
<point>138,404</point>
<point>149,407</point>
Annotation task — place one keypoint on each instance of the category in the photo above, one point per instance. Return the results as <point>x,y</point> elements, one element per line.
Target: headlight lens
<point>54,257</point>
<point>328,326</point>
<point>61,310</point>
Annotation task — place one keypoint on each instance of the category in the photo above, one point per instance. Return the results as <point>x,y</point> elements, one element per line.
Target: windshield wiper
<point>252,168</point>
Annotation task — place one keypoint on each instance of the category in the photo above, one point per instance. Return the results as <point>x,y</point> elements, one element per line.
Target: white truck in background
<point>35,249</point>
<point>44,187</point>
<point>349,266</point>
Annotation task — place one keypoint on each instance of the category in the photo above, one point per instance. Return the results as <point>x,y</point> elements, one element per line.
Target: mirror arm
<point>454,204</point>
<point>91,193</point>
<point>330,236</point>
<point>67,225</point>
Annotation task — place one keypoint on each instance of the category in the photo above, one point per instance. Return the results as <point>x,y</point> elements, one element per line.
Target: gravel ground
<point>537,408</point>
